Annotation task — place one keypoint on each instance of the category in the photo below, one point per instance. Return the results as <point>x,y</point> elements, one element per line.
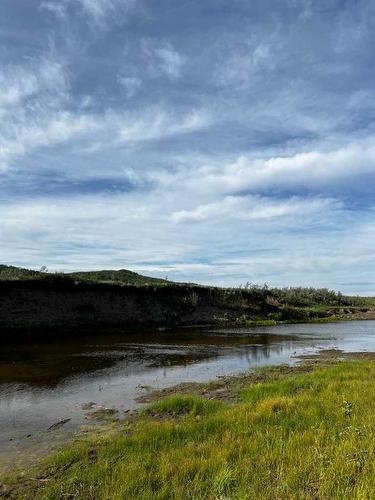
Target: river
<point>45,382</point>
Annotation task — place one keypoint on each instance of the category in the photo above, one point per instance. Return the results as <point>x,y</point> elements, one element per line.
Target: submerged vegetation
<point>303,433</point>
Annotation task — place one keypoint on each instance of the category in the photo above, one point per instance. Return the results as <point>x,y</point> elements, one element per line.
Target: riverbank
<point>287,432</point>
<point>57,305</point>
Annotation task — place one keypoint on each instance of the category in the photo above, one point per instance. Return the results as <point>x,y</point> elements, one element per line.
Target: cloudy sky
<point>216,141</point>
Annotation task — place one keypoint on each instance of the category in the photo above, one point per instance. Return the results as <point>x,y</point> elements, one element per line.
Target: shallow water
<point>42,383</point>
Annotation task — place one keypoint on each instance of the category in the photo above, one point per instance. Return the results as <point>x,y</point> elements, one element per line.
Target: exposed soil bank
<point>48,305</point>
<point>68,305</point>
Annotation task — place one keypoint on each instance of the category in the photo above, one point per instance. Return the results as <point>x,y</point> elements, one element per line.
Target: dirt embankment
<point>45,305</point>
<point>69,304</point>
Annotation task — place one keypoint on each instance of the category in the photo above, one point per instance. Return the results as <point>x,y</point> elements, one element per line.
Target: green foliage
<point>121,276</point>
<point>303,296</point>
<point>347,408</point>
<point>183,405</point>
<point>18,273</point>
<point>306,436</point>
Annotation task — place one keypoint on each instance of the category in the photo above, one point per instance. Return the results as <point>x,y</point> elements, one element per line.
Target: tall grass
<point>302,436</point>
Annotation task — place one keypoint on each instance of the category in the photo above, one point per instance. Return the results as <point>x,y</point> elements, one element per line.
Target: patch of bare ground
<point>332,355</point>
<point>225,388</point>
<point>228,388</point>
<point>103,414</point>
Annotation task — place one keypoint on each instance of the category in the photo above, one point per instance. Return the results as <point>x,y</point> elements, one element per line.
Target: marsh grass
<point>308,435</point>
<point>181,405</point>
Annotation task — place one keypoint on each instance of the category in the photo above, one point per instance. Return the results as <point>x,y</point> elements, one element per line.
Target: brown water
<point>42,383</point>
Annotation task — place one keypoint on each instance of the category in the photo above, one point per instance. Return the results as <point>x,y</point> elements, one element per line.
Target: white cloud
<point>49,127</point>
<point>61,128</point>
<point>135,230</point>
<point>16,86</point>
<point>255,208</point>
<point>171,62</point>
<point>313,170</point>
<point>100,11</point>
<point>31,99</point>
<point>303,169</point>
<point>35,113</point>
<point>163,58</point>
<point>278,115</point>
<point>97,11</point>
<point>158,123</point>
<point>58,9</point>
<point>244,62</point>
<point>101,223</point>
<point>18,83</point>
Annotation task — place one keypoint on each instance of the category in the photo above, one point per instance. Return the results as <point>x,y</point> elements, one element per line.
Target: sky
<point>217,141</point>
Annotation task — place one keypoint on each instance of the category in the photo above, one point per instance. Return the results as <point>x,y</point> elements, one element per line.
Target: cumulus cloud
<point>312,170</point>
<point>302,169</point>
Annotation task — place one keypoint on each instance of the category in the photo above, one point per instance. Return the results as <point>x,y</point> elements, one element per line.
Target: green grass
<point>121,276</point>
<point>306,435</point>
<point>183,405</point>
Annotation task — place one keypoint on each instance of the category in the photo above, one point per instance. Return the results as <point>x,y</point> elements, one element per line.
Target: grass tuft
<point>183,405</point>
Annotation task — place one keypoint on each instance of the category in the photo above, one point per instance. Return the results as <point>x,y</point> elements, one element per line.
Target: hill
<point>122,276</point>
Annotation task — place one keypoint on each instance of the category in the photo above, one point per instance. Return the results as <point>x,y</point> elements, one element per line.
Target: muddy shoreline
<point>227,388</point>
<point>101,421</point>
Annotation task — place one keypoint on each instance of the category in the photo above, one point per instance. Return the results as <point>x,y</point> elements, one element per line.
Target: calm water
<point>43,383</point>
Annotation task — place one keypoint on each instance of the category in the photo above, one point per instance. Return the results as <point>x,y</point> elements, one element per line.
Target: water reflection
<point>44,382</point>
<point>46,364</point>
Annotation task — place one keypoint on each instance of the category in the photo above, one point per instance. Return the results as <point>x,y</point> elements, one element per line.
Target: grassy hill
<point>122,276</point>
<point>17,273</point>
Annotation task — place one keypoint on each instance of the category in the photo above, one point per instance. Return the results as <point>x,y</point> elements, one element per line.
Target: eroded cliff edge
<point>45,305</point>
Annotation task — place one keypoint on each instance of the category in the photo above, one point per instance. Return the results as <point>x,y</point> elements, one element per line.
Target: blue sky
<point>219,142</point>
